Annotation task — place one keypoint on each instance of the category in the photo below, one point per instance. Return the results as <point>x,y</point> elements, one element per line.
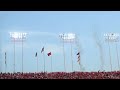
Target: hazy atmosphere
<point>43,29</point>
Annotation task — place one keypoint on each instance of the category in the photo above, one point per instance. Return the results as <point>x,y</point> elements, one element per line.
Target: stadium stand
<point>62,75</point>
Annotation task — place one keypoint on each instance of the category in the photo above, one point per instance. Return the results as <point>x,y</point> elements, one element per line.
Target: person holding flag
<point>49,54</point>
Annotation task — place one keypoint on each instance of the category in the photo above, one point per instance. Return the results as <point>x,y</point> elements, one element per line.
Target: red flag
<point>49,54</point>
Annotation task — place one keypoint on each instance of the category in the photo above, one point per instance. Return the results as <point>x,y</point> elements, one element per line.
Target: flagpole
<point>79,60</point>
<point>51,63</point>
<point>64,56</point>
<point>22,55</point>
<point>117,56</point>
<point>110,56</point>
<point>14,55</point>
<point>79,64</point>
<point>5,62</point>
<point>44,61</point>
<point>5,68</point>
<point>77,43</point>
<point>71,57</point>
<point>37,63</point>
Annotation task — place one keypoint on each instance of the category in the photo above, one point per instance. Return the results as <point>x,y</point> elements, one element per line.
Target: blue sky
<point>43,29</point>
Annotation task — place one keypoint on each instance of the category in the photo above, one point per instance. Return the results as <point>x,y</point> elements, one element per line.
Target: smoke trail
<point>100,49</point>
<point>79,50</point>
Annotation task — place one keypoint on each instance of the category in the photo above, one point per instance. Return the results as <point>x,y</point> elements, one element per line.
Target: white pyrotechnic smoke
<point>98,43</point>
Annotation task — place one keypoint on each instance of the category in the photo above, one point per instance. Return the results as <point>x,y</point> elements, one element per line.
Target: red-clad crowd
<point>62,75</point>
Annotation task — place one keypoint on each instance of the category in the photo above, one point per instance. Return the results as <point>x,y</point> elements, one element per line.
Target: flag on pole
<point>78,57</point>
<point>36,54</point>
<point>42,50</point>
<point>78,53</point>
<point>49,54</point>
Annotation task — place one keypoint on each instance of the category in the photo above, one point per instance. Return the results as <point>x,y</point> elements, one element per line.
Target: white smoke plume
<point>99,44</point>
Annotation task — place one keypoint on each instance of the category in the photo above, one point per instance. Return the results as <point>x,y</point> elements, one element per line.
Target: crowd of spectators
<point>62,75</point>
